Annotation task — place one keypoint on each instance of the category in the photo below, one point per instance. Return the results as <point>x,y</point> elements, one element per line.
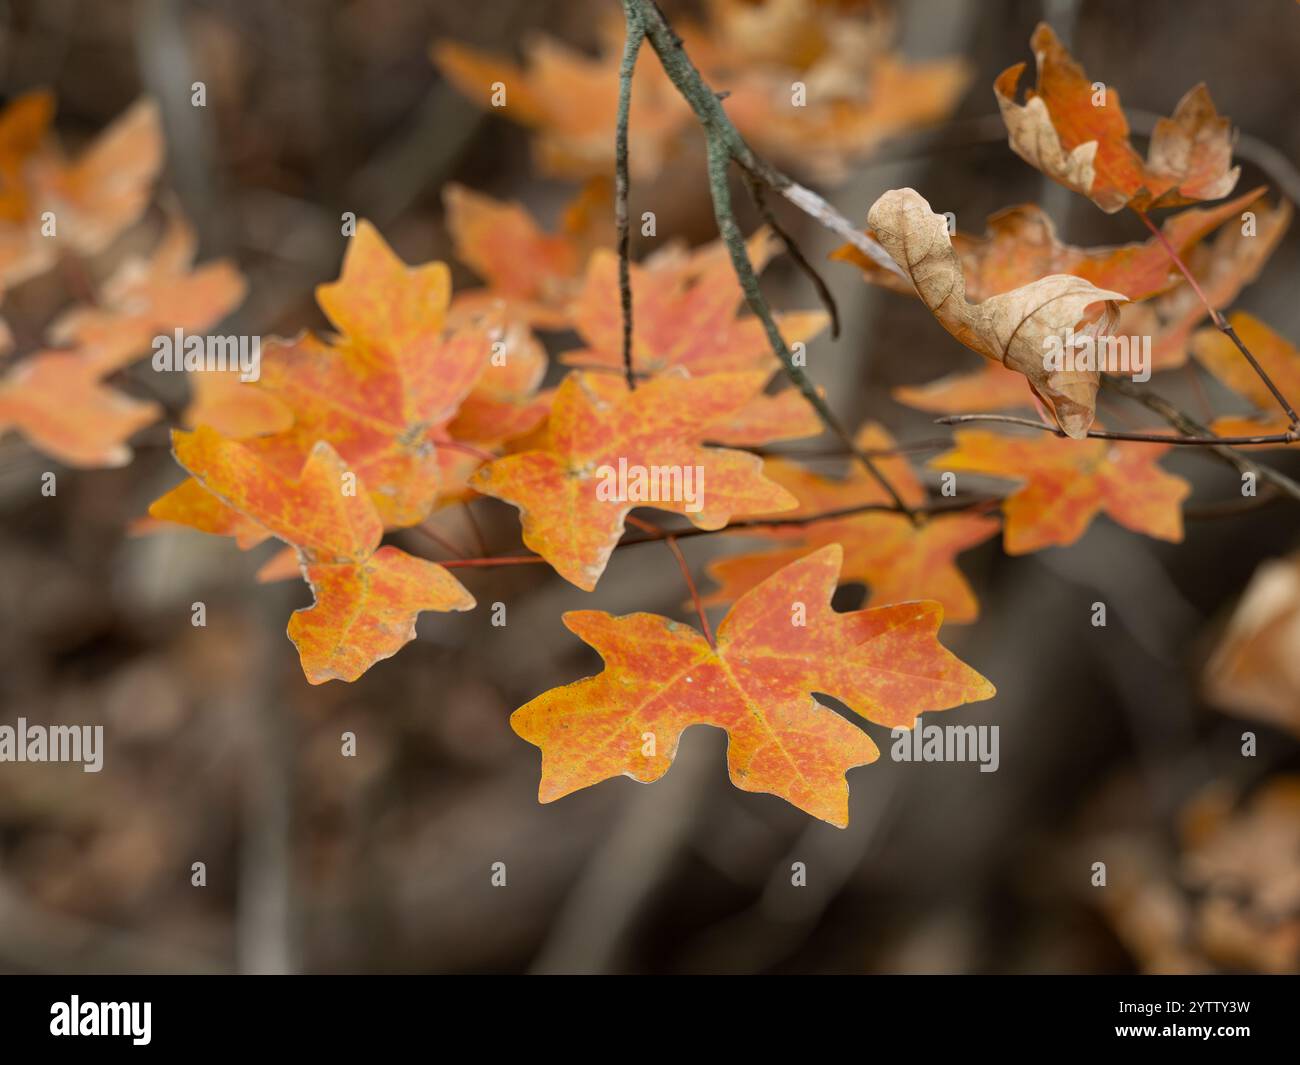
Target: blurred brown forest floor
<point>223,754</point>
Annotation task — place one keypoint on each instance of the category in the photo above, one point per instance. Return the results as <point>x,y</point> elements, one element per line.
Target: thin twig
<point>1189,426</point>
<point>719,164</point>
<point>631,48</point>
<point>1289,437</point>
<point>656,533</point>
<point>932,444</point>
<point>671,541</point>
<point>499,560</point>
<point>1220,322</point>
<point>725,145</point>
<point>795,252</point>
<point>438,539</point>
<point>947,506</point>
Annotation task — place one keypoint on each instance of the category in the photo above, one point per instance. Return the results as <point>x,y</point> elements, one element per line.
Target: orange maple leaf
<point>1066,483</point>
<point>383,391</point>
<point>533,272</point>
<point>56,400</point>
<point>24,125</point>
<point>896,559</point>
<point>781,642</point>
<point>145,296</point>
<point>189,503</point>
<point>571,505</point>
<point>1279,358</point>
<point>856,92</point>
<point>990,388</point>
<point>684,314</point>
<point>1077,135</point>
<point>367,597</point>
<point>571,100</point>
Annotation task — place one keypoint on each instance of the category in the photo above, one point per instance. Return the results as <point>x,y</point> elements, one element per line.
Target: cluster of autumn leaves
<point>60,214</point>
<point>419,398</point>
<point>810,83</point>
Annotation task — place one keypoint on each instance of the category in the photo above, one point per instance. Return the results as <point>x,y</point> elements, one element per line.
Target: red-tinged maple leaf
<point>367,597</point>
<point>1222,268</point>
<point>382,391</point>
<point>605,444</point>
<point>1066,483</point>
<point>92,198</point>
<point>571,100</point>
<point>57,401</point>
<point>684,314</point>
<point>1278,357</point>
<point>1020,246</point>
<point>1077,135</point>
<point>990,388</point>
<point>896,559</point>
<point>780,643</point>
<point>533,272</point>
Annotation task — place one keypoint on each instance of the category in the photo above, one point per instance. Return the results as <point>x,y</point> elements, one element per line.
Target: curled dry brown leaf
<point>1075,132</point>
<point>1013,328</point>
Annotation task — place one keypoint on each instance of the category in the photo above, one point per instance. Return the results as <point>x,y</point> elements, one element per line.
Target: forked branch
<point>724,144</point>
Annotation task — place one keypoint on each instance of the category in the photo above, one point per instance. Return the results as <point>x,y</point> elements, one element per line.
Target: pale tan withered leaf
<point>1014,328</point>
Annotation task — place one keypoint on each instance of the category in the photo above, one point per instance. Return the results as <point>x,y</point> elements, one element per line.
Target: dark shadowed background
<point>220,752</point>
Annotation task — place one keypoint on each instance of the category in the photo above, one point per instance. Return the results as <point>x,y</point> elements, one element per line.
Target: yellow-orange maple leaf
<point>56,400</point>
<point>506,402</point>
<point>570,500</point>
<point>990,388</point>
<point>684,316</point>
<point>533,272</point>
<point>780,643</point>
<point>367,596</point>
<point>815,85</point>
<point>1066,483</point>
<point>381,392</point>
<point>571,100</point>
